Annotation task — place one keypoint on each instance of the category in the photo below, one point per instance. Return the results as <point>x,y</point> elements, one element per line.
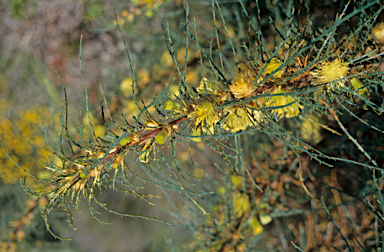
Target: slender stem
<point>142,139</point>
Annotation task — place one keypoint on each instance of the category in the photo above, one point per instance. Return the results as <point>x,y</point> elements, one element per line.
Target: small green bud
<point>169,105</point>
<point>161,136</point>
<point>83,175</point>
<point>356,84</point>
<point>125,140</point>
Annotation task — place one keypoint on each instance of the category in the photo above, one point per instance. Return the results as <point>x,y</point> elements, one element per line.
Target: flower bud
<point>357,85</point>
<point>171,105</point>
<point>125,140</point>
<point>161,136</point>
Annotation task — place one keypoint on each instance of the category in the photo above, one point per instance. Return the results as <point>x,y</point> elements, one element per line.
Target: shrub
<point>294,122</point>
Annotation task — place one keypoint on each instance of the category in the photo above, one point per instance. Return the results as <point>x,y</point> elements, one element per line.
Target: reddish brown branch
<point>142,139</point>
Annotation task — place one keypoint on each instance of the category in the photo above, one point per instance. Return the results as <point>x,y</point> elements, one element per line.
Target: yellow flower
<point>166,59</point>
<point>257,228</point>
<point>237,180</point>
<point>221,190</point>
<point>98,128</point>
<point>241,204</point>
<point>332,72</point>
<point>282,101</point>
<point>120,21</point>
<point>236,120</point>
<point>378,32</point>
<point>311,131</point>
<point>257,115</point>
<point>180,55</point>
<point>273,65</point>
<point>242,85</point>
<point>149,13</point>
<point>126,86</point>
<point>191,77</point>
<point>124,13</point>
<point>198,173</point>
<point>205,114</point>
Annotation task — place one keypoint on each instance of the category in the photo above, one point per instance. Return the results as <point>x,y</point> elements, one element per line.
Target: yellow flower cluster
<point>287,105</point>
<point>25,142</point>
<point>241,204</point>
<point>243,82</point>
<point>138,7</point>
<point>331,73</point>
<point>236,120</point>
<point>205,115</point>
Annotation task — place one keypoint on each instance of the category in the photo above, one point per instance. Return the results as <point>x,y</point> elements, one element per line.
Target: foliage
<point>293,122</point>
